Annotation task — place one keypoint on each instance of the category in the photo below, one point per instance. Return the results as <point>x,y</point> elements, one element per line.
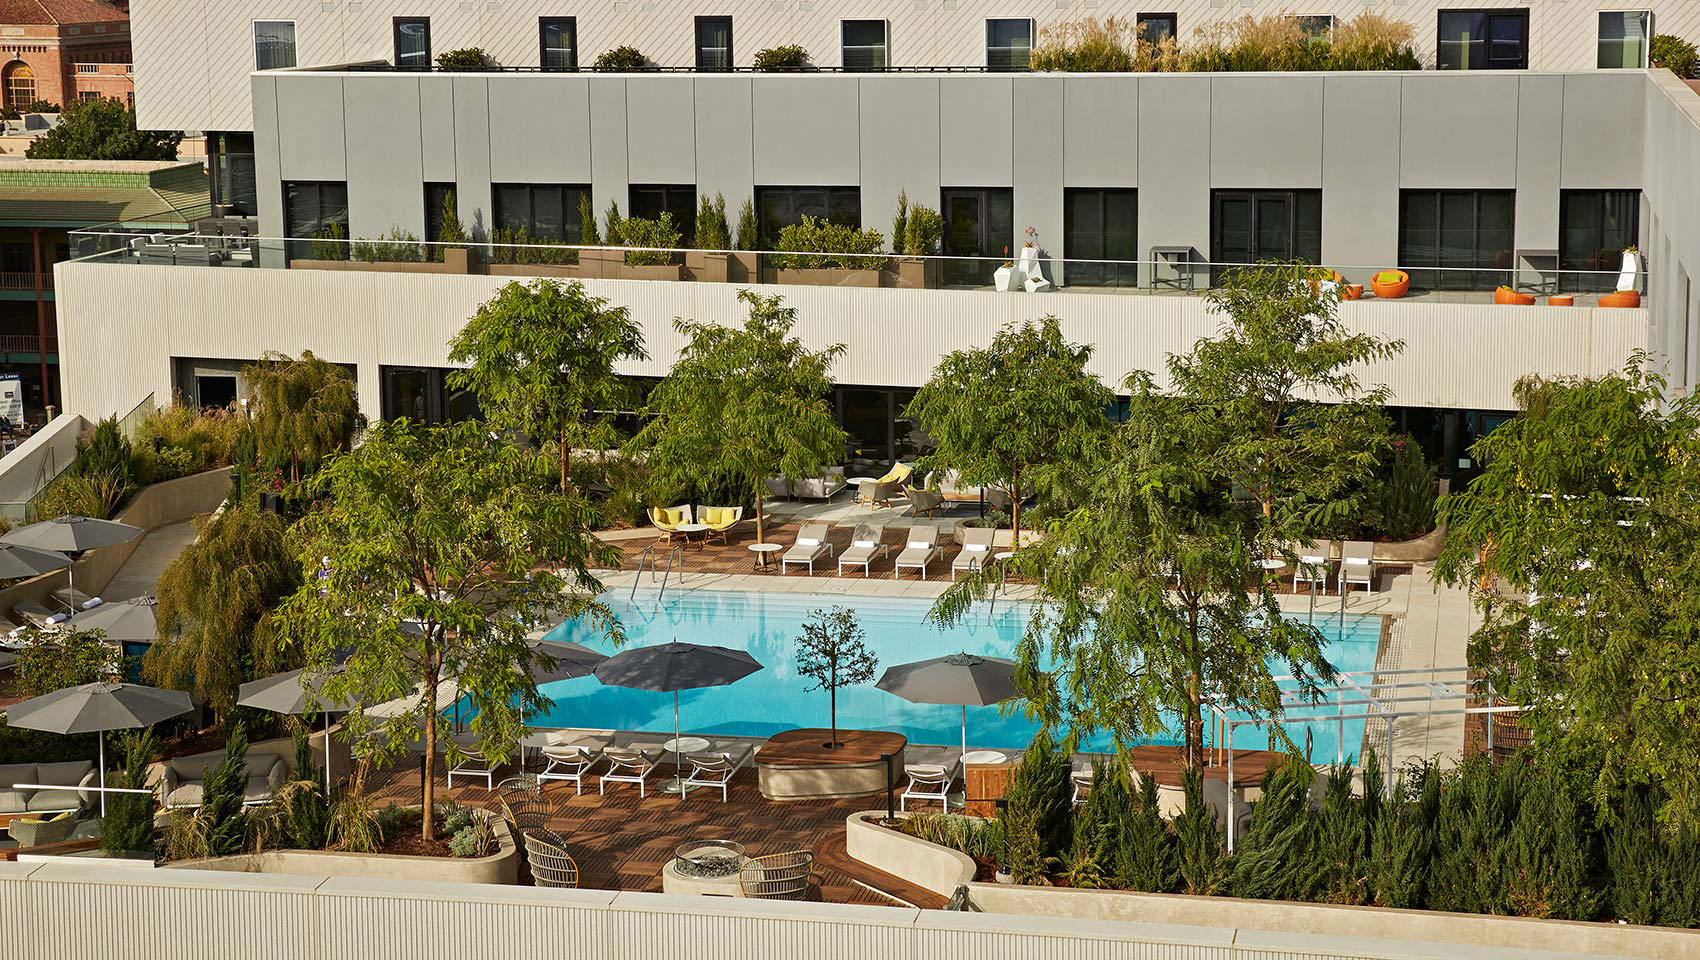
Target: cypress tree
<point>1201,862</point>
<point>1403,841</point>
<point>1099,823</point>
<point>1548,860</point>
<point>1036,816</point>
<point>1276,860</point>
<point>1149,857</point>
<point>222,793</point>
<point>1343,839</point>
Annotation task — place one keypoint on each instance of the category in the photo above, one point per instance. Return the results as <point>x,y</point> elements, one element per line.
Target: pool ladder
<point>648,559</point>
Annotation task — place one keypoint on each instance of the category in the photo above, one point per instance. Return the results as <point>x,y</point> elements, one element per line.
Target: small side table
<point>1003,577</point>
<point>762,552</point>
<point>678,748</point>
<point>686,529</point>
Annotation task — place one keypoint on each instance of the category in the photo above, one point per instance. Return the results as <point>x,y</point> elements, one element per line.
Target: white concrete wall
<point>120,326</point>
<point>1670,225</point>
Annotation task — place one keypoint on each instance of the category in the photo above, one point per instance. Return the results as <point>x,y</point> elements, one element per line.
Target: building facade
<point>61,51</point>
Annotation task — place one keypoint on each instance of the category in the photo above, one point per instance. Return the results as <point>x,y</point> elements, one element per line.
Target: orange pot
<point>1354,291</point>
<point>1390,289</point>
<point>1561,300</point>
<point>1622,298</point>
<point>1506,295</point>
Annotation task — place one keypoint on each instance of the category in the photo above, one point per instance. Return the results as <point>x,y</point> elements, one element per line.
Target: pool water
<point>896,630</point>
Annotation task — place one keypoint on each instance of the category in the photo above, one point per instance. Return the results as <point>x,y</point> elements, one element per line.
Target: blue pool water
<point>776,698</point>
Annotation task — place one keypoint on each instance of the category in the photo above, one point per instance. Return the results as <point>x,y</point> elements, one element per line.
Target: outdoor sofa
<point>182,778</point>
<point>74,778</point>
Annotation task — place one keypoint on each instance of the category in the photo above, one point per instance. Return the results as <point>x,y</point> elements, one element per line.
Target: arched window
<point>20,85</point>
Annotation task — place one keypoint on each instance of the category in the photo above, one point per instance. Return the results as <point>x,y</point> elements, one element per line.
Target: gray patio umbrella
<point>292,693</point>
<point>97,708</point>
<point>16,561</point>
<point>123,621</point>
<point>73,536</point>
<point>963,679</point>
<point>572,660</point>
<point>672,667</point>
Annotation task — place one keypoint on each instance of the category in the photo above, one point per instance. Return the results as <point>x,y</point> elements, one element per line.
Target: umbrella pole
<point>965,729</point>
<point>678,757</point>
<point>327,755</point>
<point>102,737</point>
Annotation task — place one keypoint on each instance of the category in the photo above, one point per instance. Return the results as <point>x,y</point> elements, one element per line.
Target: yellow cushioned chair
<point>720,520</point>
<point>667,519</point>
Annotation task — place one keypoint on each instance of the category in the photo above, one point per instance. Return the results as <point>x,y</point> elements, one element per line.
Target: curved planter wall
<point>499,867</point>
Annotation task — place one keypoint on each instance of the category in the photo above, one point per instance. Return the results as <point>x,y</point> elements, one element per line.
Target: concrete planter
<point>704,267</point>
<point>374,266</point>
<point>500,867</point>
<point>912,273</point>
<point>829,277</point>
<point>742,267</point>
<point>928,865</point>
<point>659,271</point>
<point>535,270</point>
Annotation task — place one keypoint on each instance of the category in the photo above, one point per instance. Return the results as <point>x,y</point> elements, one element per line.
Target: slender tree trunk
<point>427,824</point>
<point>761,534</point>
<point>564,458</point>
<point>1195,699</point>
<point>1015,510</point>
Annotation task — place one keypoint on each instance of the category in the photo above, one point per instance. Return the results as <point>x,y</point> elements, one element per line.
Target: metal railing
<point>25,280</point>
<point>647,558</point>
<point>26,343</point>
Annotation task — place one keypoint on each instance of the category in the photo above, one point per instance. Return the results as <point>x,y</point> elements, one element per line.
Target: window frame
<point>291,228</point>
<point>980,270</point>
<point>1333,21</point>
<point>294,49</point>
<point>543,25</point>
<point>430,189</point>
<point>395,39</point>
<point>1107,275</point>
<point>1032,32</point>
<point>764,192</point>
<point>1603,282</point>
<point>1256,195</point>
<point>1488,14</point>
<point>1477,276</point>
<point>1646,38</point>
<point>1173,19</point>
<point>700,21</point>
<point>572,225</point>
<point>685,219</point>
<point>844,44</point>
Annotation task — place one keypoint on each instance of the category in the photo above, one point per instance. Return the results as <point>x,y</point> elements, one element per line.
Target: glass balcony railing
<point>228,244</point>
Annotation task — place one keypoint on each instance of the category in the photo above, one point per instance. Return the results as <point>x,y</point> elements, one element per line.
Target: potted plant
<point>659,260</point>
<point>708,262</point>
<point>397,251</point>
<point>515,253</point>
<point>742,265</point>
<point>1506,295</point>
<point>1629,275</point>
<point>1004,277</point>
<point>915,235</point>
<point>820,252</point>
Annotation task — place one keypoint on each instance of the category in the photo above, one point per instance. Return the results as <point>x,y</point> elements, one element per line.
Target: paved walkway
<point>1431,637</point>
<point>140,574</point>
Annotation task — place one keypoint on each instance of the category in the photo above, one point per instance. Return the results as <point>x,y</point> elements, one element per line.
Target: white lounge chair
<point>1081,779</point>
<point>1312,567</point>
<point>929,781</point>
<point>629,765</point>
<point>976,547</point>
<point>715,770</point>
<point>1357,564</point>
<point>923,548</point>
<point>865,546</point>
<point>569,761</point>
<point>811,547</point>
<point>474,765</point>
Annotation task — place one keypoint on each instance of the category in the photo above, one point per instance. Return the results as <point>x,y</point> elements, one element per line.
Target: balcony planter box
<point>742,267</point>
<point>601,263</point>
<point>706,267</point>
<point>373,266</point>
<point>913,273</point>
<point>535,270</point>
<point>659,271</point>
<point>828,277</point>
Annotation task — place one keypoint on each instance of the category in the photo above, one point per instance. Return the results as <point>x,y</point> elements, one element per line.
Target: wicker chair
<point>551,864</point>
<point>523,804</point>
<point>777,876</point>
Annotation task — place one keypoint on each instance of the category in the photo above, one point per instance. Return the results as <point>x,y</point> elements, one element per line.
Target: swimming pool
<point>776,698</point>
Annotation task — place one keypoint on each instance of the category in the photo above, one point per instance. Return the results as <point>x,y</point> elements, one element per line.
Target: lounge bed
<point>865,547</point>
<point>811,548</point>
<point>922,549</point>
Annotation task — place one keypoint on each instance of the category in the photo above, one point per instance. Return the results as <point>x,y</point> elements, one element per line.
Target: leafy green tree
<point>542,359</point>
<point>304,410</point>
<point>102,129</point>
<point>1288,419</point>
<point>1585,513</point>
<point>444,553</point>
<point>1006,413</point>
<point>831,653</point>
<point>742,404</point>
<point>1407,497</point>
<point>215,607</point>
<point>55,661</point>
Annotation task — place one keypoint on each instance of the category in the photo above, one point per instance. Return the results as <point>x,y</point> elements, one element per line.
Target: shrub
<point>923,232</point>
<point>1675,54</point>
<point>178,440</point>
<point>900,222</point>
<point>474,840</point>
<point>328,243</point>
<point>977,838</point>
<point>846,247</point>
<point>1269,43</point>
<point>749,232</point>
<point>1276,858</point>
<point>466,58</point>
<point>355,826</point>
<point>396,246</point>
<point>451,233</point>
<point>19,745</point>
<point>660,233</point>
<point>93,495</point>
<point>1408,493</point>
<point>1086,46</point>
<point>128,827</point>
<point>1199,839</point>
<point>588,232</point>
<point>623,58</point>
<point>518,246</point>
<point>1036,816</point>
<point>1149,857</point>
<point>712,232</point>
<point>308,807</point>
<point>222,793</point>
<point>787,57</point>
<point>53,662</point>
<point>1370,41</point>
<point>1099,822</point>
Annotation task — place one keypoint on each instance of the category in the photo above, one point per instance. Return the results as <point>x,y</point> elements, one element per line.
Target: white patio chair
<point>1312,567</point>
<point>922,550</point>
<point>865,547</point>
<point>811,547</point>
<point>569,761</point>
<point>715,770</point>
<point>1081,779</point>
<point>976,547</point>
<point>929,781</point>
<point>1357,564</point>
<point>474,765</point>
<point>629,765</point>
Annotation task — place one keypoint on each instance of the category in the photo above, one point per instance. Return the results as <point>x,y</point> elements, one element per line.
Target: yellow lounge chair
<point>720,520</point>
<point>667,519</point>
<point>879,492</point>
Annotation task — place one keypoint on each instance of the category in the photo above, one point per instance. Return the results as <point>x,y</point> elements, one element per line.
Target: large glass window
<point>650,201</point>
<point>1100,225</point>
<point>780,207</point>
<point>230,161</point>
<point>312,207</point>
<point>274,44</point>
<point>1457,231</point>
<point>438,196</point>
<point>978,222</point>
<point>1154,28</point>
<point>1483,40</point>
<point>20,85</point>
<point>413,43</point>
<point>1594,227</point>
<point>865,45</point>
<point>545,211</point>
<point>1624,37</point>
<point>422,394</point>
<point>714,43</point>
<point>1248,226</point>
<point>1009,44</point>
<point>557,43</point>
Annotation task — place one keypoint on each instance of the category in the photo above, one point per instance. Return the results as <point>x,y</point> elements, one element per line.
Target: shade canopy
<point>291,692</point>
<point>94,707</point>
<point>960,679</point>
<point>675,666</point>
<point>72,534</point>
<point>572,660</point>
<point>123,621</point>
<point>19,561</point>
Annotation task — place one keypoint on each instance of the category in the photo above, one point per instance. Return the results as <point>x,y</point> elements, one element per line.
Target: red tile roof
<point>59,11</point>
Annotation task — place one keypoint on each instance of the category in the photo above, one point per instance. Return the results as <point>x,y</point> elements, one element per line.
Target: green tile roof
<point>66,193</point>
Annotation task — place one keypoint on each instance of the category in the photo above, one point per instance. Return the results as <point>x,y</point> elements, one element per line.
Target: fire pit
<point>708,859</point>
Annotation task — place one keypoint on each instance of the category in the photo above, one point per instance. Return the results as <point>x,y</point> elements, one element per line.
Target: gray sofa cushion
<point>68,774</point>
<point>194,768</point>
<point>13,801</point>
<point>187,795</point>
<point>54,800</point>
<point>267,773</point>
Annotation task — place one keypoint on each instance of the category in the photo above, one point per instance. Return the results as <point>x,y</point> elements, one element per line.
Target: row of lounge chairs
<point>573,762</point>
<point>921,548</point>
<point>1357,565</point>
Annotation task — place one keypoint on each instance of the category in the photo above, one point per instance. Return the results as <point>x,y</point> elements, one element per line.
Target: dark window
<point>274,44</point>
<point>1624,36</point>
<point>1483,40</point>
<point>413,43</point>
<point>1248,226</point>
<point>1100,225</point>
<point>650,201</point>
<point>1154,28</point>
<point>780,207</point>
<point>422,394</point>
<point>545,211</point>
<point>714,43</point>
<point>878,433</point>
<point>865,45</point>
<point>437,199</point>
<point>1317,29</point>
<point>557,43</point>
<point>980,223</point>
<point>1459,231</point>
<point>230,158</point>
<point>1009,44</point>
<point>1594,227</point>
<point>311,207</point>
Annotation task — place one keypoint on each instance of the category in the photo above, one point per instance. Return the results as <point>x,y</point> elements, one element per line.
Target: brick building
<point>63,50</point>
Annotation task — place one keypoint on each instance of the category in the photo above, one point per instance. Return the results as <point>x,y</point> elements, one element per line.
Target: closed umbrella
<point>73,536</point>
<point>963,679</point>
<point>293,693</point>
<point>97,708</point>
<point>672,667</point>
